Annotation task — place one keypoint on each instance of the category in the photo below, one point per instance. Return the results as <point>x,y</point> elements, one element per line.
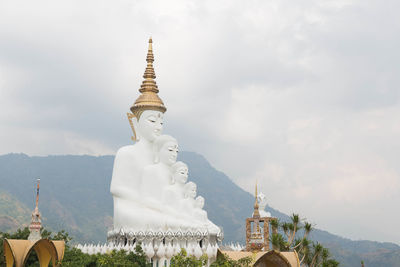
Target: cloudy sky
<point>302,95</point>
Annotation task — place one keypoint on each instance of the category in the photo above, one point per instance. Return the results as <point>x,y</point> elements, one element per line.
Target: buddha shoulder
<point>126,149</point>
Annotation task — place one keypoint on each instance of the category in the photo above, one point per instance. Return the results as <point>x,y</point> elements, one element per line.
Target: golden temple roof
<point>17,251</point>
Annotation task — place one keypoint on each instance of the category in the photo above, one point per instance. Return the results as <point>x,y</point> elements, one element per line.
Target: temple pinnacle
<point>36,222</point>
<point>149,72</point>
<point>149,99</point>
<point>37,194</point>
<point>256,211</point>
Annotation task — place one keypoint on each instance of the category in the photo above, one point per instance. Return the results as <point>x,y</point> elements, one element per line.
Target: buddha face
<point>181,175</point>
<point>200,202</point>
<point>168,153</point>
<point>150,124</point>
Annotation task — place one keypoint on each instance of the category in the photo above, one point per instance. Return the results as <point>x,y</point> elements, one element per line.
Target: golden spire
<point>256,213</point>
<point>149,99</point>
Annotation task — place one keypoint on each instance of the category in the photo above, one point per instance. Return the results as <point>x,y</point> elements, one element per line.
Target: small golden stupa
<point>36,221</point>
<point>17,251</point>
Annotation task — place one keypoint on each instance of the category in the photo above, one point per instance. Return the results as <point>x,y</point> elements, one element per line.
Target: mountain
<point>75,196</point>
<point>74,191</point>
<point>13,213</point>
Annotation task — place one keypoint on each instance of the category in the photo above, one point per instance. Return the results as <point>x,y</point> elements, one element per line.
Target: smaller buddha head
<point>166,150</point>
<point>199,202</point>
<point>190,190</point>
<point>180,172</point>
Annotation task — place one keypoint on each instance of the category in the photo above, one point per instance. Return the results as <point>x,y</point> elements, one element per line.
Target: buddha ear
<point>133,121</point>
<point>156,158</point>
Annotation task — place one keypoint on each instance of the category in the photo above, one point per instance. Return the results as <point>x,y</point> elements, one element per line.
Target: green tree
<point>183,260</point>
<point>62,235</point>
<point>225,261</point>
<point>311,254</point>
<point>74,257</point>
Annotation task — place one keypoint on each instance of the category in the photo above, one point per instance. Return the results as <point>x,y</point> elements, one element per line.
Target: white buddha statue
<point>201,216</point>
<point>198,212</point>
<point>147,123</point>
<point>130,160</point>
<point>262,203</point>
<point>149,187</point>
<point>174,193</point>
<point>156,177</point>
<point>188,203</point>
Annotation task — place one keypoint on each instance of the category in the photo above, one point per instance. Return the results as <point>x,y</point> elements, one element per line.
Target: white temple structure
<point>154,204</point>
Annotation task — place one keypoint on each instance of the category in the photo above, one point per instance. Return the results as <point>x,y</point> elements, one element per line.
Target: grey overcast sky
<point>302,95</point>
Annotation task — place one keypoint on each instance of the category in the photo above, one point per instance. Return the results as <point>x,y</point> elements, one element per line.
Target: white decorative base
<point>159,247</point>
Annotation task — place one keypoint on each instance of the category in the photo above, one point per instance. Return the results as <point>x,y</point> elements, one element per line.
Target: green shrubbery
<point>183,260</point>
<point>74,257</point>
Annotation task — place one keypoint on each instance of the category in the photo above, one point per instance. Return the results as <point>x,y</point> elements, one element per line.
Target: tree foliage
<point>312,254</point>
<point>74,257</point>
<point>183,260</point>
<point>225,261</point>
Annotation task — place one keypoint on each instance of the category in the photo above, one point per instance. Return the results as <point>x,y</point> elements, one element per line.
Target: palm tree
<point>318,256</point>
<point>311,254</point>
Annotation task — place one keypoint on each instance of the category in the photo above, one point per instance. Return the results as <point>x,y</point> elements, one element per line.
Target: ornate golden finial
<point>149,99</point>
<point>256,213</point>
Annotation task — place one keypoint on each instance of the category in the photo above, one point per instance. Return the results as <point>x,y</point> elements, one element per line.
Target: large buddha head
<point>147,112</point>
<point>150,125</point>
